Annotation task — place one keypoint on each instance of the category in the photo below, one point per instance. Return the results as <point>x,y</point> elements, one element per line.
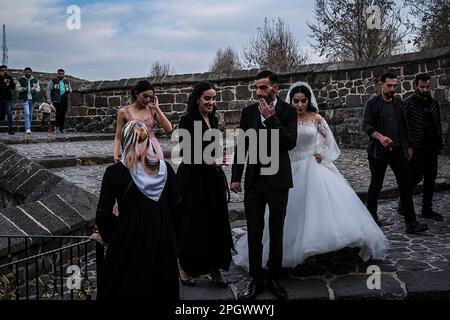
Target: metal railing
<point>50,268</point>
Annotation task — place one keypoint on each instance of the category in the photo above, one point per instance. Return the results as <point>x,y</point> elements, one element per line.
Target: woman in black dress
<point>204,239</point>
<point>140,261</point>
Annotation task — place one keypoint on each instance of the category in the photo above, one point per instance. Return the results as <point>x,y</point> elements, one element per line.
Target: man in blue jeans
<point>7,85</point>
<point>28,90</point>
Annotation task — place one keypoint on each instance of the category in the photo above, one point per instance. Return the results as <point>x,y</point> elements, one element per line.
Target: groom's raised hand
<point>267,110</point>
<point>235,187</point>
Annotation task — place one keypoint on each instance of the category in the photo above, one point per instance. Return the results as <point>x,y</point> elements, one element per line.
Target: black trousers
<point>61,109</point>
<point>256,197</point>
<point>400,166</point>
<point>424,165</point>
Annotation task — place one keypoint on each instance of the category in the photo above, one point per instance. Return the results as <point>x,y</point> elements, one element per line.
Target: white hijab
<point>151,186</point>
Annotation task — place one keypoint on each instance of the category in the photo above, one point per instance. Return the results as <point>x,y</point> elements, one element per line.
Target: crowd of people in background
<point>29,93</point>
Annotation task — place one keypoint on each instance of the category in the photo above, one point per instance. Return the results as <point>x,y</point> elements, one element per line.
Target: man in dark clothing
<point>270,114</point>
<point>58,91</point>
<point>385,122</point>
<point>424,120</point>
<point>7,85</point>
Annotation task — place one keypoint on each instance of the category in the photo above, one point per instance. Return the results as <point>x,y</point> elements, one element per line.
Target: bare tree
<point>432,22</point>
<point>358,29</point>
<point>273,47</point>
<point>160,69</point>
<point>226,60</point>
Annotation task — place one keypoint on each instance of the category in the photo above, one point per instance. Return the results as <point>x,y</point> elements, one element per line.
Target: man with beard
<point>424,120</point>
<point>272,115</point>
<point>385,123</point>
<point>58,91</point>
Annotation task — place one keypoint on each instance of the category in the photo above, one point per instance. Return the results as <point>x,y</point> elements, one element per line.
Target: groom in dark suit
<point>272,114</point>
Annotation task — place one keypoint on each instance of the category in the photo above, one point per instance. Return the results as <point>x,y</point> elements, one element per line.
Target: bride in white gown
<point>324,214</point>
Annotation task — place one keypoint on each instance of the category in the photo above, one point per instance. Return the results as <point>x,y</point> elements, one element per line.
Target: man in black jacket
<point>385,122</point>
<point>261,189</point>
<point>424,120</point>
<point>58,91</point>
<point>7,85</point>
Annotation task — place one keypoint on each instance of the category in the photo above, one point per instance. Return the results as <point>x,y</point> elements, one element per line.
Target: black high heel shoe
<point>214,275</point>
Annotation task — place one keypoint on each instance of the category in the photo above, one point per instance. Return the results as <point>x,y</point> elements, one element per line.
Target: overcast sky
<point>121,39</point>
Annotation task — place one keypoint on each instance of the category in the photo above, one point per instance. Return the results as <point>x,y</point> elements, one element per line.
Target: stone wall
<point>37,202</point>
<point>341,89</point>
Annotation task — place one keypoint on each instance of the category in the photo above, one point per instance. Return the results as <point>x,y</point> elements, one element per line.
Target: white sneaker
<point>57,130</point>
<point>28,131</point>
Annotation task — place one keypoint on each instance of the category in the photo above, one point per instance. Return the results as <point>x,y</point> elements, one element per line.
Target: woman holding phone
<point>145,107</point>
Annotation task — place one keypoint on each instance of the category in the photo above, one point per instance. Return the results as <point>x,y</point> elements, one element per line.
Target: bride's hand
<point>318,157</point>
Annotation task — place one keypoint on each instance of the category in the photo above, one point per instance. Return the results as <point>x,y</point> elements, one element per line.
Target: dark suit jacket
<point>285,120</point>
<point>373,121</point>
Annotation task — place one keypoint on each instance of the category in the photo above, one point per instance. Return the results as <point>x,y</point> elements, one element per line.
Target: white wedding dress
<point>324,214</point>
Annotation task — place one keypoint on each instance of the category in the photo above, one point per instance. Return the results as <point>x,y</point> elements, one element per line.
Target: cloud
<point>123,38</point>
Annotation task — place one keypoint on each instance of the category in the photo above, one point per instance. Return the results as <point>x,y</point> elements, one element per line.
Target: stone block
<point>115,101</point>
<point>341,75</point>
<point>227,95</point>
<point>77,99</point>
<point>366,74</point>
<point>444,80</point>
<point>343,92</point>
<point>79,199</point>
<point>25,171</point>
<point>90,100</point>
<point>77,111</point>
<point>441,95</point>
<point>432,65</point>
<point>426,285</point>
<point>221,106</point>
<point>181,98</point>
<point>232,116</point>
<point>179,107</point>
<point>9,168</point>
<point>46,217</point>
<point>411,69</point>
<point>37,186</point>
<point>65,211</point>
<point>305,289</point>
<point>101,102</point>
<point>165,108</point>
<point>354,75</point>
<point>332,94</point>
<point>355,287</point>
<point>323,77</point>
<point>353,101</point>
<point>166,98</point>
<point>243,93</point>
<point>24,222</point>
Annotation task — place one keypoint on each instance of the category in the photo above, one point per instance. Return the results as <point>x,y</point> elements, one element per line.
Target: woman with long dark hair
<point>204,239</point>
